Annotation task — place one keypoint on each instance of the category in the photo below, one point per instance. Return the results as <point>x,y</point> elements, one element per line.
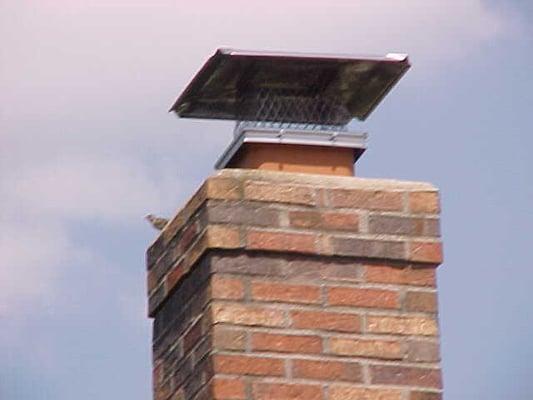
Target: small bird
<point>157,222</point>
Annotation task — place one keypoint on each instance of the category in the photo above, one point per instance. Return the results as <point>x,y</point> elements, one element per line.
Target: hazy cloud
<point>85,86</point>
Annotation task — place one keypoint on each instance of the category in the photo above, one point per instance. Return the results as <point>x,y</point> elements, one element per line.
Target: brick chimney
<point>279,285</point>
<point>284,277</point>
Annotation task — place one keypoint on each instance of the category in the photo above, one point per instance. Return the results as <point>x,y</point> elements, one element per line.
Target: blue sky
<point>87,148</point>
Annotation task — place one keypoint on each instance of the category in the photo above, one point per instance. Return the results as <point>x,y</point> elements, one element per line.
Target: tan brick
<point>305,219</point>
<point>421,301</point>
<point>228,339</point>
<point>402,325</point>
<point>425,252</point>
<point>400,275</point>
<point>277,291</point>
<point>422,351</point>
<point>405,376</point>
<point>327,370</point>
<point>424,202</point>
<point>223,188</point>
<point>372,298</point>
<point>338,392</point>
<point>281,241</point>
<point>226,288</point>
<point>389,350</point>
<point>279,193</point>
<point>279,391</point>
<point>177,223</point>
<point>247,315</point>
<point>286,343</point>
<point>152,280</point>
<point>247,365</point>
<point>328,321</point>
<point>223,237</point>
<point>228,389</point>
<point>366,199</point>
<point>417,395</point>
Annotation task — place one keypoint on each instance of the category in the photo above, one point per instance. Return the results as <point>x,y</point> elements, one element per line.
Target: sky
<point>87,148</point>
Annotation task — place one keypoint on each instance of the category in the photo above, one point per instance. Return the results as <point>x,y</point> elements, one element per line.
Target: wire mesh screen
<point>294,109</point>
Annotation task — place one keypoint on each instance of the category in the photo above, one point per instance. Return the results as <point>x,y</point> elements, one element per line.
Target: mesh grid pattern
<point>295,109</point>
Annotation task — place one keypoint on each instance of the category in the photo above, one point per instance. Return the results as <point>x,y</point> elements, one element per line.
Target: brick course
<point>286,286</point>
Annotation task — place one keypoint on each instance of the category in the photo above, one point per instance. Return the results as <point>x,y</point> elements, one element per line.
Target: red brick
<point>187,236</point>
<point>226,288</point>
<point>372,298</point>
<point>286,343</point>
<point>247,365</point>
<point>424,202</point>
<point>279,391</point>
<point>366,199</point>
<point>324,220</point>
<point>327,321</point>
<point>274,291</point>
<point>338,392</point>
<point>247,315</point>
<point>174,276</point>
<point>279,193</point>
<point>228,389</point>
<point>405,376</point>
<point>192,336</point>
<point>381,349</point>
<point>327,370</point>
<point>421,301</point>
<point>400,275</point>
<point>281,241</point>
<point>425,252</point>
<point>341,221</point>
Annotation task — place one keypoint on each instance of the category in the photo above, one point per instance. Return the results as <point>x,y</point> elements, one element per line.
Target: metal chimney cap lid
<point>230,82</point>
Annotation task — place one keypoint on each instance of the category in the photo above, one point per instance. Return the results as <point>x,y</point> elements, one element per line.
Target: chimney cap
<point>231,84</point>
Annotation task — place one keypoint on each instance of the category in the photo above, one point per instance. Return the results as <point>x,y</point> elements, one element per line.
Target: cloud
<point>85,86</point>
<point>86,188</point>
<point>31,256</point>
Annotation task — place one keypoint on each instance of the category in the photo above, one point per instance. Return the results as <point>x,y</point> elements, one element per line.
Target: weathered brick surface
<point>371,298</point>
<point>307,344</point>
<point>339,392</point>
<point>405,376</point>
<point>273,286</point>
<point>368,348</point>
<point>327,370</point>
<point>326,321</point>
<point>288,293</point>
